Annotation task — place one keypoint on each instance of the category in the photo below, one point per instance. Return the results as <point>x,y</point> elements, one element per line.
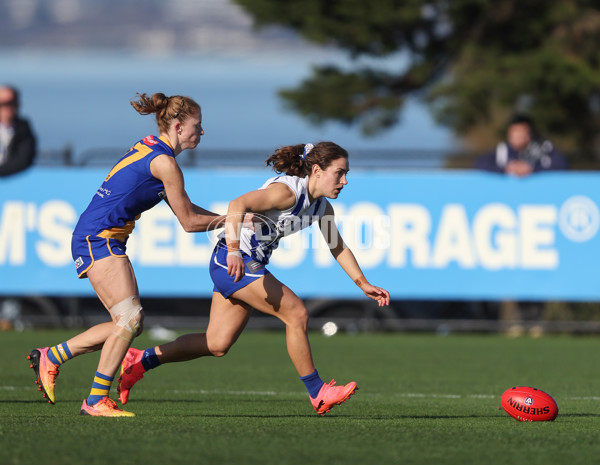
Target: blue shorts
<point>223,283</point>
<point>87,249</point>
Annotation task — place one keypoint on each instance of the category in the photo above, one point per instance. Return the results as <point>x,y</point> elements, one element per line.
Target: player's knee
<point>219,352</point>
<point>129,316</point>
<point>140,323</point>
<point>219,348</point>
<point>298,317</point>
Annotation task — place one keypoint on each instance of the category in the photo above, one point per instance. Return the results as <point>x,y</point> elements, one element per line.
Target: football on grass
<point>525,403</point>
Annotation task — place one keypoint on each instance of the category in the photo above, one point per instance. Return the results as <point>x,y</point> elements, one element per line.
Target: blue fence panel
<point>422,235</point>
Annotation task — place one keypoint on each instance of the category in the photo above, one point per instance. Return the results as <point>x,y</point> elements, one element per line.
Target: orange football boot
<point>46,372</point>
<point>132,371</point>
<point>331,395</point>
<point>106,407</point>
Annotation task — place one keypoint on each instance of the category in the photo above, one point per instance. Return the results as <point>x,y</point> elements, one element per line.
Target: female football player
<point>147,174</point>
<point>287,204</point>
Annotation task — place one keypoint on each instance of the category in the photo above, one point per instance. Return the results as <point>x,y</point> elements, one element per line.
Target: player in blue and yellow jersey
<point>286,204</point>
<point>147,174</point>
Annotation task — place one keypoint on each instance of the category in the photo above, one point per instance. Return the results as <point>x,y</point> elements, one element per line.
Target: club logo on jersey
<point>150,140</point>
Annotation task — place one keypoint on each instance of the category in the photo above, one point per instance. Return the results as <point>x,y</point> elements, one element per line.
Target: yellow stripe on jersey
<point>138,151</point>
<point>166,141</point>
<point>121,233</point>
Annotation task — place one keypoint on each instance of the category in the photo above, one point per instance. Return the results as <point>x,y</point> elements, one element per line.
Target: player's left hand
<point>381,296</point>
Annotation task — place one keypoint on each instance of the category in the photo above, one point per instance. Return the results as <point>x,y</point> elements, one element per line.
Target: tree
<point>475,62</point>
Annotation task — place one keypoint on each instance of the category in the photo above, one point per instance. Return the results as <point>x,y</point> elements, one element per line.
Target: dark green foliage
<point>475,61</point>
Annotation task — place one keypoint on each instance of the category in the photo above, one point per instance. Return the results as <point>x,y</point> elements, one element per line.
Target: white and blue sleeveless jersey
<point>276,224</point>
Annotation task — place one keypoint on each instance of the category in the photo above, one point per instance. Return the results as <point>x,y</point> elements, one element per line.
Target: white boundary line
<point>299,393</point>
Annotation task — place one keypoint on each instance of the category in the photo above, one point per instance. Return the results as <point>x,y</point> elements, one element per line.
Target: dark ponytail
<point>292,160</point>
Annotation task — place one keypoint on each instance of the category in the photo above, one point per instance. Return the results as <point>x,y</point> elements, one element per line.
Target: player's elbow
<point>238,206</point>
<point>189,225</point>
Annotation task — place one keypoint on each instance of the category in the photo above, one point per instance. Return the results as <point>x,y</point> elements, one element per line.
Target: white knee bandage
<point>127,313</point>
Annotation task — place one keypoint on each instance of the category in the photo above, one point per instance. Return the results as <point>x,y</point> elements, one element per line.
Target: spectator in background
<point>522,153</point>
<point>17,141</point>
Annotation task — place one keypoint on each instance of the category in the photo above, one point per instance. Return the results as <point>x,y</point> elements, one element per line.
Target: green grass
<point>423,399</point>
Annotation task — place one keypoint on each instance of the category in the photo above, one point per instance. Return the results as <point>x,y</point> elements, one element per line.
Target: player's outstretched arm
<point>347,260</point>
<point>191,217</point>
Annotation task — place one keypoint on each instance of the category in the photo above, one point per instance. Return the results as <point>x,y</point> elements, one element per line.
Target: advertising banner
<point>421,235</point>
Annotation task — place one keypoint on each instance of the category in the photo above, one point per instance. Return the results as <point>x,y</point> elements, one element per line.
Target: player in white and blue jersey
<point>285,204</point>
<point>256,245</point>
<point>147,174</point>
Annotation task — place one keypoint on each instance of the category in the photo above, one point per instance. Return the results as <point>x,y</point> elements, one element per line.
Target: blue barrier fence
<point>422,235</point>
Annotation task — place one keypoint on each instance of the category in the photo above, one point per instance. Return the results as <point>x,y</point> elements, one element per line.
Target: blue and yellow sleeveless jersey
<point>128,190</point>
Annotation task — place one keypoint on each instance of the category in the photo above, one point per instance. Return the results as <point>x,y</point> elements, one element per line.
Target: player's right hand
<point>235,266</point>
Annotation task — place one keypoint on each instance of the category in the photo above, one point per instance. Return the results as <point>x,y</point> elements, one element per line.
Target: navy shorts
<point>87,249</point>
<point>223,283</point>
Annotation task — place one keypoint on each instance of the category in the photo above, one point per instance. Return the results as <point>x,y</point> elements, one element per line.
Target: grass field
<point>423,399</point>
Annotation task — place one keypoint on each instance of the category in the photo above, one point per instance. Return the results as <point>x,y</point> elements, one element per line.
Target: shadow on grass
<point>8,402</point>
<point>200,413</point>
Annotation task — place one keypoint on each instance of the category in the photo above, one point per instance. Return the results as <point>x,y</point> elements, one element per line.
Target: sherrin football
<point>525,403</point>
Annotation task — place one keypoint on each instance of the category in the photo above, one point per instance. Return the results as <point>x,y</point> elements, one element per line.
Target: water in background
<point>81,101</point>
